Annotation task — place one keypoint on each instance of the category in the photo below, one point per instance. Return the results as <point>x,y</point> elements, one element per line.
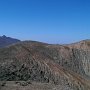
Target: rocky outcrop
<point>75,57</point>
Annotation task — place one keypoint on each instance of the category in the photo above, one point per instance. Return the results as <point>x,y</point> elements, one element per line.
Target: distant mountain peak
<point>5,41</point>
<point>4,36</point>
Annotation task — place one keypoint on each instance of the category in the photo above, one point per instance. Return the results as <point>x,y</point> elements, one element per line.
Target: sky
<point>51,21</point>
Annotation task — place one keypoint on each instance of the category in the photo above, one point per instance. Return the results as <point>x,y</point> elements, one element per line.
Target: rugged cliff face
<point>82,54</point>
<point>67,65</point>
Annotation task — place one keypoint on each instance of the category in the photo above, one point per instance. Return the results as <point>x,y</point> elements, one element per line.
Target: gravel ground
<point>22,85</point>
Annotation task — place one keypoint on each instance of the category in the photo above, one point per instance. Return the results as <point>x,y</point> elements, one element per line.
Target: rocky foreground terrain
<point>31,65</point>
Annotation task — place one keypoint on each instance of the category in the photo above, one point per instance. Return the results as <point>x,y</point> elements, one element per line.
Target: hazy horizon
<point>51,21</point>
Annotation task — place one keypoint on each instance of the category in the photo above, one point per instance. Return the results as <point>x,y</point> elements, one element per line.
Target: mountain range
<point>5,41</point>
<point>65,66</point>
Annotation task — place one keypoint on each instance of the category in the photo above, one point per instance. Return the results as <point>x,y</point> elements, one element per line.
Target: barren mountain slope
<point>40,62</point>
<point>75,57</point>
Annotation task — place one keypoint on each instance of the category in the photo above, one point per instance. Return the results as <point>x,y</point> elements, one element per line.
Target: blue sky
<point>52,21</point>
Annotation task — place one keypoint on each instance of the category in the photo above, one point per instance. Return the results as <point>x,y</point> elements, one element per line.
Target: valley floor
<point>22,85</point>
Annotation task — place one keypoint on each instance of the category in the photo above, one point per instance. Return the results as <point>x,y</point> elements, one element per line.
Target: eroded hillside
<point>66,65</point>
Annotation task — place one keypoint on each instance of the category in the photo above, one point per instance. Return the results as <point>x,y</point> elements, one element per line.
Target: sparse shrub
<point>23,83</point>
<point>29,82</point>
<point>16,82</point>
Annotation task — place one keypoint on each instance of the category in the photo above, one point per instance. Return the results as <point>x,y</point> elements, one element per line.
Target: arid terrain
<point>31,65</point>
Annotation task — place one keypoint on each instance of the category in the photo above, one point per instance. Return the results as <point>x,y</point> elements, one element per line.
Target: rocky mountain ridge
<point>5,41</point>
<point>46,63</point>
